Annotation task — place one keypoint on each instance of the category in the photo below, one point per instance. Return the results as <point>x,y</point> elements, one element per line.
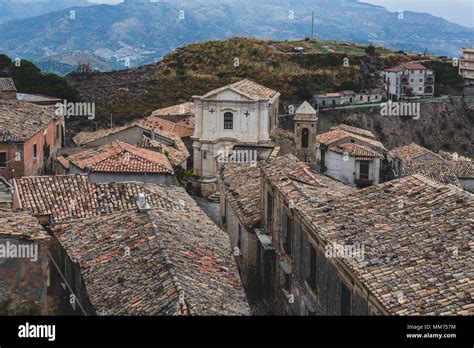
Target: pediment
<point>227,93</point>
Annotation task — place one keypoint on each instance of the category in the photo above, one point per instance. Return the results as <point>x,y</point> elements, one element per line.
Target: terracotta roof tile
<point>410,152</point>
<point>346,132</point>
<point>354,150</point>
<point>23,120</point>
<point>416,235</point>
<point>407,66</point>
<point>119,157</point>
<point>180,262</point>
<point>21,225</point>
<point>241,184</point>
<point>67,197</point>
<point>446,172</point>
<point>188,108</point>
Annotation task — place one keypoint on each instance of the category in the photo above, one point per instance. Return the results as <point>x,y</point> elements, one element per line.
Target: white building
<point>466,67</point>
<point>243,113</point>
<point>350,155</point>
<point>411,80</point>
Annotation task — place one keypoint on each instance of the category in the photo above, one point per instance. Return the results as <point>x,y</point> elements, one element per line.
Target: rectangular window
<point>364,170</point>
<point>35,151</point>
<point>3,159</point>
<point>57,132</point>
<point>313,263</point>
<point>228,120</point>
<point>287,235</point>
<point>346,300</point>
<point>269,209</point>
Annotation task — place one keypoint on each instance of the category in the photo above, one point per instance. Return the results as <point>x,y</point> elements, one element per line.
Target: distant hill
<point>200,67</point>
<point>139,32</point>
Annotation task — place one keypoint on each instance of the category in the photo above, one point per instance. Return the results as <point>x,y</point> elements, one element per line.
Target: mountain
<point>138,32</point>
<point>20,9</point>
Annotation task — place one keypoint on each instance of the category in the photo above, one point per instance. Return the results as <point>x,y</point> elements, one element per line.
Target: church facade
<point>242,113</point>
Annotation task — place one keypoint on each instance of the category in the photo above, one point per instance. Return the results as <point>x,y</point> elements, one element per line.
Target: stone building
<point>24,261</point>
<point>243,113</point>
<point>377,251</point>
<point>407,81</point>
<point>350,155</point>
<point>30,137</point>
<point>118,161</point>
<point>306,120</point>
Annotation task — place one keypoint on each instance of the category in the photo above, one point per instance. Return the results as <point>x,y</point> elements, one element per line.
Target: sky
<point>456,11</point>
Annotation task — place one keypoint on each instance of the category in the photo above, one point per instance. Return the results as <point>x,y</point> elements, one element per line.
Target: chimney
<point>142,203</point>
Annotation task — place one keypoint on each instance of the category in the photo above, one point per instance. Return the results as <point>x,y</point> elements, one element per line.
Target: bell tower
<point>306,119</point>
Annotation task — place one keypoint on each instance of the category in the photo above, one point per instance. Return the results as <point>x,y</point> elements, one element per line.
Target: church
<point>242,113</point>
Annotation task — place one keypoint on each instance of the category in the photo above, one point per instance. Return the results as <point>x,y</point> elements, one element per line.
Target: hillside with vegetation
<point>28,78</point>
<point>201,67</point>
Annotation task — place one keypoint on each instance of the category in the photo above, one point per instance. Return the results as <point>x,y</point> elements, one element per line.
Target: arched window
<point>228,120</point>
<point>305,138</point>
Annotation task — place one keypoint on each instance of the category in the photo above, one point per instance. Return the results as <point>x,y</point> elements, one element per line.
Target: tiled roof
<point>184,128</point>
<point>179,263</point>
<point>119,157</point>
<point>7,84</point>
<point>363,132</point>
<point>358,151</point>
<point>188,108</point>
<point>23,120</point>
<point>249,88</point>
<point>83,138</point>
<point>418,243</point>
<point>176,154</point>
<point>299,184</point>
<point>336,134</point>
<point>446,172</point>
<point>21,225</point>
<point>407,66</point>
<point>241,184</point>
<point>410,152</point>
<point>67,197</point>
<point>63,161</point>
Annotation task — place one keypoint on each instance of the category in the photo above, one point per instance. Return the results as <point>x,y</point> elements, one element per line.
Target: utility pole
<point>312,26</point>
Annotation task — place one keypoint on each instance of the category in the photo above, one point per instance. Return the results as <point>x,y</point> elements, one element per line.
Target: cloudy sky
<point>456,11</point>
